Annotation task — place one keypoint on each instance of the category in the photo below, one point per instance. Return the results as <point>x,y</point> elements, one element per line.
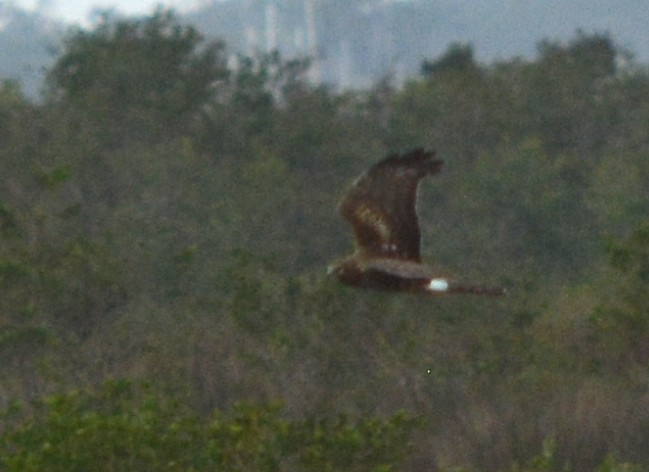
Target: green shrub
<point>121,427</point>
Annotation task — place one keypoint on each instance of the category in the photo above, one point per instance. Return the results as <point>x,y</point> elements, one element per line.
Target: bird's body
<point>381,207</point>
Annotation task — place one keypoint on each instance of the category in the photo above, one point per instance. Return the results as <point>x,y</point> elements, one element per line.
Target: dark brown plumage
<point>381,207</point>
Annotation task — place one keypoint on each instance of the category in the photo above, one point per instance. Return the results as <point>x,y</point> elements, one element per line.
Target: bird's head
<point>346,270</point>
<point>335,270</point>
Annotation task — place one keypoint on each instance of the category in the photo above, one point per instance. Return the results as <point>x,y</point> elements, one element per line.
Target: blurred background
<point>168,192</point>
<point>353,43</point>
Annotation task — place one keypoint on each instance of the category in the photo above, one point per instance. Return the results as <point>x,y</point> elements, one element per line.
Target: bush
<point>122,427</point>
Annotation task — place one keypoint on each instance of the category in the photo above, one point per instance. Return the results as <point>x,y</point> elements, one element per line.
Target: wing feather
<point>381,205</point>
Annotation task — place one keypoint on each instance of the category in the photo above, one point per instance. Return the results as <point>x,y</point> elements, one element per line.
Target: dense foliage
<point>167,215</point>
<point>121,427</point>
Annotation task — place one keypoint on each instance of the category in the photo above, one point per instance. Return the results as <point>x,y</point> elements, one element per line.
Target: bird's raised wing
<point>381,205</point>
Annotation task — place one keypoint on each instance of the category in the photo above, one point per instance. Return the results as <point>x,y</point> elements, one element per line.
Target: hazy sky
<point>80,11</point>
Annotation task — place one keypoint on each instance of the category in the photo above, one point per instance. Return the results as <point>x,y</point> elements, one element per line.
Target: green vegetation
<point>120,427</point>
<point>165,224</point>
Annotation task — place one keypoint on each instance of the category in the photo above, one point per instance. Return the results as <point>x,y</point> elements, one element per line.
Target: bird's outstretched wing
<point>381,205</point>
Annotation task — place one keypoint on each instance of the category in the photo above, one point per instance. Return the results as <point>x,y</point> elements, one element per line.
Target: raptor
<point>381,208</point>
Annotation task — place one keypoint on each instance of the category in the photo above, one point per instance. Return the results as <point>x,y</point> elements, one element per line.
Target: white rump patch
<point>438,285</point>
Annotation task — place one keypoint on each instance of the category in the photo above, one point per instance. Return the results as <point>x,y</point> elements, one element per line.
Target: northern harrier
<point>381,208</point>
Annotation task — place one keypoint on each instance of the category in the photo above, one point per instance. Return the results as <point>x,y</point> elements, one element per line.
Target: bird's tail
<point>441,285</point>
<point>460,287</point>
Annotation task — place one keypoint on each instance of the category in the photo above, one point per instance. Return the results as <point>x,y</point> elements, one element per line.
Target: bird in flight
<point>381,207</point>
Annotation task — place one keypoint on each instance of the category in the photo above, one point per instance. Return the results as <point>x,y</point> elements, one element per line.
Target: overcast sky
<point>80,11</point>
<point>626,20</point>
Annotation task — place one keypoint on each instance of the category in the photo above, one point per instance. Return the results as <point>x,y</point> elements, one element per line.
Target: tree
<point>622,322</point>
<point>137,78</point>
<point>565,91</point>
